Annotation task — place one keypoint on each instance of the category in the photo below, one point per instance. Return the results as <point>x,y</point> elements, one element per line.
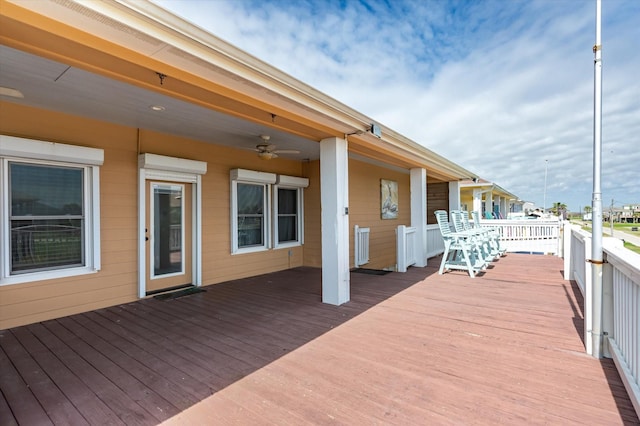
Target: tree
<point>587,209</point>
<point>559,208</point>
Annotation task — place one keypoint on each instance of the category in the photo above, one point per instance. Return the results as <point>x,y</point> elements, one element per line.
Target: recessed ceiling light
<point>157,107</point>
<point>12,93</point>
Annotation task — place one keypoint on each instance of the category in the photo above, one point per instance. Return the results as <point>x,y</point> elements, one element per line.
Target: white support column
<point>334,200</point>
<point>497,201</point>
<point>454,195</point>
<point>477,202</point>
<point>488,202</point>
<point>419,214</point>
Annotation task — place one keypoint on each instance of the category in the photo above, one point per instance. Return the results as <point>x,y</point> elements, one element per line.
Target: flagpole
<point>596,228</point>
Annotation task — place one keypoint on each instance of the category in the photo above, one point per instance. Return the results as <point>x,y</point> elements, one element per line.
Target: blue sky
<point>496,86</point>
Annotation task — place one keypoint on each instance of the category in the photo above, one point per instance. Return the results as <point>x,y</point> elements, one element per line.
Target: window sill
<point>46,275</point>
<point>288,245</point>
<point>250,250</point>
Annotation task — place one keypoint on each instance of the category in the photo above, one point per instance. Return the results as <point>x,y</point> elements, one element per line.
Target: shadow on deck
<point>414,348</point>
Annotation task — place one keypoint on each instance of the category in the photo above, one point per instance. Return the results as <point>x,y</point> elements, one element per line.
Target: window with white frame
<point>250,206</point>
<point>257,222</point>
<point>288,210</point>
<point>251,202</point>
<point>287,215</point>
<point>49,220</point>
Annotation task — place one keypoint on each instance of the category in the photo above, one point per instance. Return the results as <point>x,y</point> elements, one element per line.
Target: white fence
<point>435,243</point>
<point>361,254</point>
<point>620,302</point>
<point>528,236</point>
<point>406,247</point>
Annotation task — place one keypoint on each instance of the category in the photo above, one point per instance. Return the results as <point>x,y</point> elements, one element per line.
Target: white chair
<point>459,251</point>
<point>494,234</point>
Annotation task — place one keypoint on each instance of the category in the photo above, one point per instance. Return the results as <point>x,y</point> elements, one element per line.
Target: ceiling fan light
<point>266,155</point>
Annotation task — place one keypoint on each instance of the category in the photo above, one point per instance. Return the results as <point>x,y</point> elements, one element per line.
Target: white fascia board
<point>11,146</point>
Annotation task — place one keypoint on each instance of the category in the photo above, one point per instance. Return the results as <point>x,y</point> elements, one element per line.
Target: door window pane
<point>167,229</point>
<point>46,211</point>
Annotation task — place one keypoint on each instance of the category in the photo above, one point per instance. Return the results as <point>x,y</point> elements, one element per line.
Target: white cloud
<point>499,87</point>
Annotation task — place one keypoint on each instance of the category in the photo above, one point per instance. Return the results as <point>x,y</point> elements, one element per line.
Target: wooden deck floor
<point>414,348</point>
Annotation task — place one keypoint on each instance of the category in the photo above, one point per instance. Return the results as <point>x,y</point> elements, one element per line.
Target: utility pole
<point>544,196</point>
<point>594,326</point>
<point>611,217</point>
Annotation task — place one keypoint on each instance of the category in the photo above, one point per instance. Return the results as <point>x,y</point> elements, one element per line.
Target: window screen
<point>47,217</point>
<point>251,207</point>
<point>287,215</point>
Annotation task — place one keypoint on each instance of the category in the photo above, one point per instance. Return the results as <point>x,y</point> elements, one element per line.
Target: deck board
<point>413,348</point>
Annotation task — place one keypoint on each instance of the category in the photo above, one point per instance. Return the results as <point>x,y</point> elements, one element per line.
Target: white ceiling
<point>52,85</point>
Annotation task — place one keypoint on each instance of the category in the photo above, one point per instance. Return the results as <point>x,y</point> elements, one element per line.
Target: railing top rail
<point>625,260</point>
<point>519,222</point>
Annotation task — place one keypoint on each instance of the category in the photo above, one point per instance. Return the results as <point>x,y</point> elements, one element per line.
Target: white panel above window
<point>11,146</point>
<point>253,176</point>
<point>292,181</point>
<point>171,164</point>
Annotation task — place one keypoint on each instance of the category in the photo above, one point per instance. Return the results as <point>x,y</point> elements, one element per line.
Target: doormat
<point>177,294</point>
<point>370,271</point>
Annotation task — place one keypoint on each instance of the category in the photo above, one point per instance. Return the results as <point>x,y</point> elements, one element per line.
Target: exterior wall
<point>364,211</point>
<point>312,216</point>
<point>437,199</point>
<point>466,198</point>
<point>116,282</point>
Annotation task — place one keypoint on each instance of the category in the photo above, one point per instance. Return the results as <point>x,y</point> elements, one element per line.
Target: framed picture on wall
<point>388,199</point>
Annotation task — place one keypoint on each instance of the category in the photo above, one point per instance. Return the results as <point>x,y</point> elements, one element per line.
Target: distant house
<point>140,154</point>
<point>491,200</point>
<point>625,214</point>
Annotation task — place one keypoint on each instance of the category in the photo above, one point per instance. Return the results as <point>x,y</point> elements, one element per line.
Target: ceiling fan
<point>267,151</point>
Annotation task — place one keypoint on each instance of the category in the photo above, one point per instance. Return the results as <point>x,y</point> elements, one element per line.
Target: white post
<point>544,196</point>
<point>334,199</point>
<point>401,245</point>
<point>588,297</point>
<point>488,202</point>
<point>607,307</point>
<point>454,195</point>
<point>567,239</point>
<point>497,201</point>
<point>419,214</point>
<point>477,201</point>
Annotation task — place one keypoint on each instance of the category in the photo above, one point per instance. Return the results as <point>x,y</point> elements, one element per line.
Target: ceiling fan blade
<point>286,151</point>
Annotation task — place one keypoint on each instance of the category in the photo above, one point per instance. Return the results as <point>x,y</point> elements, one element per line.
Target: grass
<point>626,227</point>
<point>632,247</point>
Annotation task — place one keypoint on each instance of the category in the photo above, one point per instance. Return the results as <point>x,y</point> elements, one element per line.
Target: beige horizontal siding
<point>365,211</point>
<point>312,221</point>
<point>116,282</point>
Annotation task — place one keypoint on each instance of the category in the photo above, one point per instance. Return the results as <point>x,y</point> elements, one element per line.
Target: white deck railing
<point>620,302</point>
<point>621,282</point>
<point>406,247</point>
<point>361,250</point>
<point>529,236</point>
<point>435,243</point>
